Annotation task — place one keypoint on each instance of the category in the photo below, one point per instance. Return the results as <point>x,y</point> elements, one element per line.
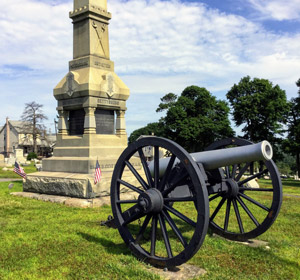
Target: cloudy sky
<point>158,46</point>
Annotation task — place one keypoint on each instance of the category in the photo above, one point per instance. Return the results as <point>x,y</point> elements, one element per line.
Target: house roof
<point>18,125</point>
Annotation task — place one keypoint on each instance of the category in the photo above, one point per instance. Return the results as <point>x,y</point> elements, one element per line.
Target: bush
<point>31,156</point>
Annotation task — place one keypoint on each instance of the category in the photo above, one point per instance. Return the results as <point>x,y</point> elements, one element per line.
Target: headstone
<point>10,161</point>
<point>253,184</point>
<point>1,158</point>
<point>19,156</point>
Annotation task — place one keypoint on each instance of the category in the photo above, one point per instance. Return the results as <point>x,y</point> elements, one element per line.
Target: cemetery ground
<point>43,240</point>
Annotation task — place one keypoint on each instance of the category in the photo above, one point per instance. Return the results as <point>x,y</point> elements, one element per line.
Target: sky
<point>158,46</point>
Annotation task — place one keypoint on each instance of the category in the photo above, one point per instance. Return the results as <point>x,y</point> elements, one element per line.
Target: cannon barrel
<point>225,157</point>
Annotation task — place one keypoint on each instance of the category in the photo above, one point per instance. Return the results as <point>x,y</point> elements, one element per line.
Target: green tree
<point>32,117</point>
<point>292,143</point>
<point>259,106</point>
<point>151,128</point>
<point>166,102</point>
<point>195,119</point>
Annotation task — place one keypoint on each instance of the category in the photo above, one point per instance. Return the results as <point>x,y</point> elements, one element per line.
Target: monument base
<point>73,184</point>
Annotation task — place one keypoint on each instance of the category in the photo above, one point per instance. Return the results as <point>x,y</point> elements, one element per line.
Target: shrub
<point>31,156</point>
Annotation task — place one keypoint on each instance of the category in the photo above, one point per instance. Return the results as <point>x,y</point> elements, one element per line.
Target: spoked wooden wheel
<point>244,208</point>
<point>162,215</point>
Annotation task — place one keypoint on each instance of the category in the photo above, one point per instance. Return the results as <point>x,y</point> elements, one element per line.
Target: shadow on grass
<point>290,183</point>
<point>110,246</point>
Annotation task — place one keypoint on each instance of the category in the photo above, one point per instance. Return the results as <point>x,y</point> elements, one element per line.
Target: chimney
<point>7,137</point>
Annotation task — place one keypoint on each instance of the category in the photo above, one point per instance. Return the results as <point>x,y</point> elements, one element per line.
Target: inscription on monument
<point>108,102</point>
<point>77,65</point>
<point>76,122</point>
<point>105,121</point>
<point>102,65</point>
<point>76,101</point>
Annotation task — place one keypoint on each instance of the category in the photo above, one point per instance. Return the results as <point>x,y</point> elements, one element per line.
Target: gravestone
<point>91,104</point>
<point>19,156</point>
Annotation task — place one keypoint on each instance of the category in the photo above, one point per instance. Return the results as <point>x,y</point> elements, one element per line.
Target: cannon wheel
<point>250,212</point>
<point>159,228</point>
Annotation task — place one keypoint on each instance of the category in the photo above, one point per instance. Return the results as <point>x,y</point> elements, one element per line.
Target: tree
<point>152,128</point>
<point>195,119</point>
<point>32,118</point>
<point>259,106</point>
<point>166,102</point>
<point>292,143</point>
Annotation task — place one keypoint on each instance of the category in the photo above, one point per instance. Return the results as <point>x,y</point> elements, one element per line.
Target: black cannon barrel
<point>225,157</point>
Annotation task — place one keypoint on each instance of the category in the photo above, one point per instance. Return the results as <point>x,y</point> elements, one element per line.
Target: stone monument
<point>91,107</point>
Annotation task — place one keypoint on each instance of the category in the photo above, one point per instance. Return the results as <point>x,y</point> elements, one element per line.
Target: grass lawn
<point>10,174</point>
<point>41,240</point>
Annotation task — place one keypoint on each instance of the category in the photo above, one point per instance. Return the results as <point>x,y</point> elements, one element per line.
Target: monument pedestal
<point>74,184</point>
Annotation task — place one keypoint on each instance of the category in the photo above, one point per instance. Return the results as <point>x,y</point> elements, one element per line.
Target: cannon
<point>163,215</point>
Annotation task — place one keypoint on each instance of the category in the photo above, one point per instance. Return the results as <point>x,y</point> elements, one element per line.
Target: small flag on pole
<point>19,170</point>
<point>98,173</point>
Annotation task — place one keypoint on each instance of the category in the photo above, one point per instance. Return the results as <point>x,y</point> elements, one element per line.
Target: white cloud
<point>278,9</point>
<point>35,34</point>
<point>157,46</point>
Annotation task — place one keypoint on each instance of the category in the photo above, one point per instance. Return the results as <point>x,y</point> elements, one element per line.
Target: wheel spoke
<point>227,214</point>
<point>180,215</point>
<point>143,228</point>
<point>174,228</point>
<point>153,235</point>
<point>241,202</point>
<point>238,216</point>
<point>179,199</point>
<point>214,197</point>
<point>126,201</point>
<point>242,171</point>
<point>217,209</point>
<point>146,168</point>
<point>137,175</point>
<point>156,167</point>
<point>234,171</point>
<point>167,173</point>
<point>252,177</point>
<point>165,235</point>
<point>132,214</point>
<point>227,171</point>
<point>254,202</point>
<point>130,186</point>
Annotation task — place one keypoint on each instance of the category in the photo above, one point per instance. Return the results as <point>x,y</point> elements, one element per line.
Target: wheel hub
<point>233,188</point>
<point>151,201</point>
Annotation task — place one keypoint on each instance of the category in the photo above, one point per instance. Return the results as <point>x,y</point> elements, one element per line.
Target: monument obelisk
<point>91,104</point>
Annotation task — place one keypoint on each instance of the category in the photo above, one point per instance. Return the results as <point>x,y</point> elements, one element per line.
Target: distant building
<point>13,136</point>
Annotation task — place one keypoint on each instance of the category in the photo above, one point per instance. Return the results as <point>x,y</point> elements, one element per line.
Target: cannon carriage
<point>164,213</point>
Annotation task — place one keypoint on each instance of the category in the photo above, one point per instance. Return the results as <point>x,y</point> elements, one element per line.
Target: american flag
<point>19,170</point>
<point>98,173</point>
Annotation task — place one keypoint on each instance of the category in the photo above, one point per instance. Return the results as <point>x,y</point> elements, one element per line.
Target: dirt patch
<point>183,272</point>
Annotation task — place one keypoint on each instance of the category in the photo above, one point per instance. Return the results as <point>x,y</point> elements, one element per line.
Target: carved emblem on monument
<point>109,86</point>
<point>99,34</point>
<point>70,84</point>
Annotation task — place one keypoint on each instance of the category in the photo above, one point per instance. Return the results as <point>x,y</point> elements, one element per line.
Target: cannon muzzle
<point>225,157</point>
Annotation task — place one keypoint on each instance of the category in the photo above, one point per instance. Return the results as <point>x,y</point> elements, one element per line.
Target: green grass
<point>41,240</point>
<point>10,174</point>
